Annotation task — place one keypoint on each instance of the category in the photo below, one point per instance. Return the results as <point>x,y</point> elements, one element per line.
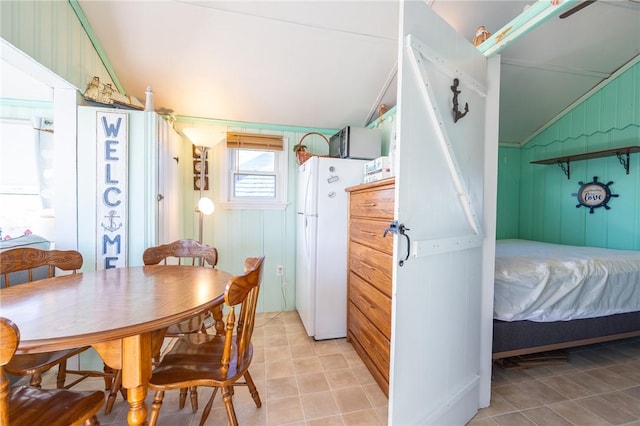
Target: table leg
<point>136,371</point>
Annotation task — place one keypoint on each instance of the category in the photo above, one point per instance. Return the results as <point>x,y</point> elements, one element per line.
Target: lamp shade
<point>204,136</point>
<point>206,206</point>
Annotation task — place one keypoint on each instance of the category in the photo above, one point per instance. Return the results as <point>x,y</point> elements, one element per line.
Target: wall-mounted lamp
<point>204,138</point>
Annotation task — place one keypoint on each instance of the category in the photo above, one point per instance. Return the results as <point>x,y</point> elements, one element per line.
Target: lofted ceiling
<point>331,63</point>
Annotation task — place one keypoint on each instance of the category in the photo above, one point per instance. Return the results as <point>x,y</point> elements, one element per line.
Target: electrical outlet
<point>279,270</point>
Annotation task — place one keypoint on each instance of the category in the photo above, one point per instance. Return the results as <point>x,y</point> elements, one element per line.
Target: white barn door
<point>438,314</point>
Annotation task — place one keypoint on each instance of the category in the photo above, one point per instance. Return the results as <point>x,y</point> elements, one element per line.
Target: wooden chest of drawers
<point>369,281</point>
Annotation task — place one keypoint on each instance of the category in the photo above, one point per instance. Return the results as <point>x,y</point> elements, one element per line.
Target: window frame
<point>281,162</point>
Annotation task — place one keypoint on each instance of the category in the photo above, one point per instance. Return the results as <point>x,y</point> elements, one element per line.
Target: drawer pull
<point>372,204</point>
<point>368,233</point>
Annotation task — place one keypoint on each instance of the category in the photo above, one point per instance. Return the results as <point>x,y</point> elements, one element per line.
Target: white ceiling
<point>331,63</point>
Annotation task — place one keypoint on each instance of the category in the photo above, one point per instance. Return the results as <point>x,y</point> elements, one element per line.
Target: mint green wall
<point>609,118</point>
<point>240,233</point>
<point>508,212</point>
<point>50,32</point>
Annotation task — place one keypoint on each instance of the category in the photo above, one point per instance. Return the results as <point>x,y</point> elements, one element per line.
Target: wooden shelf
<point>565,161</point>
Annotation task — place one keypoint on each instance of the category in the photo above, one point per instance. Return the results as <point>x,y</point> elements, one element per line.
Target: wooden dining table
<point>122,313</point>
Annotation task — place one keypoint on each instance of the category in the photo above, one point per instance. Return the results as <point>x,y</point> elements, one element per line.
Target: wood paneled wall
<point>238,233</point>
<point>543,201</point>
<point>50,32</point>
<point>508,212</point>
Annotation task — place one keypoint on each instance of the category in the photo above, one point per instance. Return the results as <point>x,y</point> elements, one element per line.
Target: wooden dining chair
<point>183,252</point>
<point>27,405</point>
<point>221,362</point>
<point>27,259</point>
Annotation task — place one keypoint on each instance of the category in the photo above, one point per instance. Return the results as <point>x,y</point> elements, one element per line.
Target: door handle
<point>399,229</point>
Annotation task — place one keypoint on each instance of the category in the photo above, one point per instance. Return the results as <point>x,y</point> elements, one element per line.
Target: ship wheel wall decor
<point>594,194</point>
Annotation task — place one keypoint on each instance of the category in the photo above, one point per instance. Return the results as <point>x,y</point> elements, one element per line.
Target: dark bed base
<point>526,337</point>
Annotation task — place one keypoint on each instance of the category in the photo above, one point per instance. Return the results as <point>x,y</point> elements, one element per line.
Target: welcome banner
<point>111,203</point>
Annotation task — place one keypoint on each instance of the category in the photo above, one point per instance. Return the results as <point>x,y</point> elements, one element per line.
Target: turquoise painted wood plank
<point>578,119</point>
<point>565,126</point>
<point>275,241</point>
<point>626,88</point>
<point>571,219</point>
<point>508,193</point>
<point>592,113</point>
<point>551,211</point>
<point>541,178</point>
<point>620,219</point>
<point>636,89</point>
<point>251,233</point>
<point>596,224</point>
<point>222,241</point>
<point>529,204</point>
<point>609,106</point>
<point>598,142</point>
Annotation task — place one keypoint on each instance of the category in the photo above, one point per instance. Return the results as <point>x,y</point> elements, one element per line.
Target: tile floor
<point>300,381</point>
<point>599,386</point>
<point>303,382</point>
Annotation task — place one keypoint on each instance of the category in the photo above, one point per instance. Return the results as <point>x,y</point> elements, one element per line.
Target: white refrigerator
<point>321,244</point>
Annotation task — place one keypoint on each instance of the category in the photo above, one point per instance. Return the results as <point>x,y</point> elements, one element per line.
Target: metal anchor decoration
<point>457,115</point>
<point>399,229</point>
<point>112,226</point>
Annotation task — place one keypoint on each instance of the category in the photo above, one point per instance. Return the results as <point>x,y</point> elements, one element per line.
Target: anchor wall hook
<point>457,115</point>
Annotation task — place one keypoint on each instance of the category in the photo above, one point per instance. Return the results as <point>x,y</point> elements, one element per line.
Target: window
<point>257,171</point>
<point>254,174</point>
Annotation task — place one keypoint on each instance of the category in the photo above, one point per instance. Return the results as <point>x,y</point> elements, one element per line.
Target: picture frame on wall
<point>196,152</point>
<point>196,183</point>
<point>197,167</point>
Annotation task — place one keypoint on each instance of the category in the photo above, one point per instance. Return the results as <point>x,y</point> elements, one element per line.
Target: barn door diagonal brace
<point>418,54</point>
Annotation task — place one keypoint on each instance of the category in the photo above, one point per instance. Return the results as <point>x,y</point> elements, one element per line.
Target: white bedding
<point>551,282</point>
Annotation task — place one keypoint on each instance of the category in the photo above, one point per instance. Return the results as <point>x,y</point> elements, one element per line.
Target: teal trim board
<point>248,125</point>
<point>529,19</point>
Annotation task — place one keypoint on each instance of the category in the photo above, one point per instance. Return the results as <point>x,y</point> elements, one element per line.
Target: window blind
<point>254,141</point>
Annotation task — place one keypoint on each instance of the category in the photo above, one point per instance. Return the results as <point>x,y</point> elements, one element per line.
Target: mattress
<point>546,282</point>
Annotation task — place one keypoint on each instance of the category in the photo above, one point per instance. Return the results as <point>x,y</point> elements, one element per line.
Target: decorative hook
<point>457,115</point>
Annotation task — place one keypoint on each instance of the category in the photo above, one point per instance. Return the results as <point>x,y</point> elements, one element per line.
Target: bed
<point>552,296</point>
